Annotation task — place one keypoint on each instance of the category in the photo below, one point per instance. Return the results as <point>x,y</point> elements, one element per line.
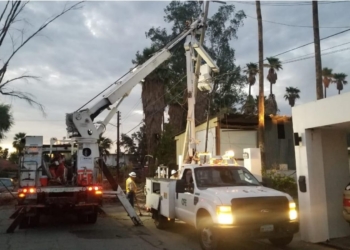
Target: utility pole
<point>201,41</point>
<point>118,142</point>
<point>261,128</point>
<point>318,62</point>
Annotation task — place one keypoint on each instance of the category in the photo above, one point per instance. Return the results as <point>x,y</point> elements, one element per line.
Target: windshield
<point>5,182</point>
<point>224,176</point>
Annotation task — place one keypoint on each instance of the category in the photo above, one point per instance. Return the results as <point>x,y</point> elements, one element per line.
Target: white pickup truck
<point>222,201</point>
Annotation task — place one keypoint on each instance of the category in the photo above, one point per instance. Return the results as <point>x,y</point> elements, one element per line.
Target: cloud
<point>86,50</point>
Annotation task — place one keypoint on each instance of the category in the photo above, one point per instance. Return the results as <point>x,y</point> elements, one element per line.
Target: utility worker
<point>156,176</point>
<point>131,188</point>
<point>174,174</point>
<point>57,167</point>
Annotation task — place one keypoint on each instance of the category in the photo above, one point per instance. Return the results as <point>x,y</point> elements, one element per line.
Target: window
<point>156,187</point>
<point>6,182</point>
<point>224,176</point>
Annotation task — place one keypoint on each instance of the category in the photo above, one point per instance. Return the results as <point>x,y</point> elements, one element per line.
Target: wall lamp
<point>297,139</point>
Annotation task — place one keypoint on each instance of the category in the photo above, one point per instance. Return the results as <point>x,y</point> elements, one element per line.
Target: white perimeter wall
<point>200,135</point>
<point>322,157</point>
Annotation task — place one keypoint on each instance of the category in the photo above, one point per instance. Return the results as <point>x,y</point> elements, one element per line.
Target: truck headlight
<point>224,214</point>
<point>293,214</point>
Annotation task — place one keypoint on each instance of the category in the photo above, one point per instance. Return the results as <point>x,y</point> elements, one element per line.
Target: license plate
<point>266,228</point>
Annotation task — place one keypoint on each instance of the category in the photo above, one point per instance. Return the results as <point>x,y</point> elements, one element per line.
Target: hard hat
<point>173,172</point>
<point>132,174</point>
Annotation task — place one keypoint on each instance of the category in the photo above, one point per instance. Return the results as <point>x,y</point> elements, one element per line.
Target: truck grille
<point>260,210</point>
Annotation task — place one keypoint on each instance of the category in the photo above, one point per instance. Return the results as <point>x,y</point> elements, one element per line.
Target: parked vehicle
<point>346,203</point>
<point>222,201</point>
<point>6,184</point>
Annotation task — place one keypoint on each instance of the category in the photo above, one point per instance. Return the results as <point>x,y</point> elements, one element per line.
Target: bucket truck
<point>79,189</point>
<point>213,193</point>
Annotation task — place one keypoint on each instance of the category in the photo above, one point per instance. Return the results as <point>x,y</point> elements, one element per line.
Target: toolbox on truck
<point>161,192</point>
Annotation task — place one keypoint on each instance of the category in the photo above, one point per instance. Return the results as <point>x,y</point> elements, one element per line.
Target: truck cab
<point>223,200</point>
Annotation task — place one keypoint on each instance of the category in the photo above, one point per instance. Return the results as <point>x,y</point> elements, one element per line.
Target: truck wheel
<point>92,218</point>
<point>207,238</point>
<point>281,242</point>
<point>82,218</point>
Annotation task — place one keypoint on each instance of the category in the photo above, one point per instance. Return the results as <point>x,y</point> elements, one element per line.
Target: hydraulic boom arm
<point>80,123</point>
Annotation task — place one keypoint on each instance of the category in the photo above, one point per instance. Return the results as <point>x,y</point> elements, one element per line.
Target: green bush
<point>280,182</point>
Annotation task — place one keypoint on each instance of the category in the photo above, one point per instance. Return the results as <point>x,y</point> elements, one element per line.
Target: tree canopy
<point>6,119</point>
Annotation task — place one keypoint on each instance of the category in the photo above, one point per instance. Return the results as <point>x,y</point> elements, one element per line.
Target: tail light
<point>96,189</point>
<point>346,202</point>
<point>28,190</point>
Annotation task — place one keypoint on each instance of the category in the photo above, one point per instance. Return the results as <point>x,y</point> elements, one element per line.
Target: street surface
<point>113,231</point>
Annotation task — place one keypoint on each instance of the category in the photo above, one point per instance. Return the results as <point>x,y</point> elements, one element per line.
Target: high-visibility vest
<point>130,185</point>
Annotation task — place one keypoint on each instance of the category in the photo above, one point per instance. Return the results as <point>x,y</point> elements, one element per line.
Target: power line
<point>287,51</point>
<point>289,3</point>
<point>338,33</point>
<point>298,26</point>
<point>324,54</point>
<point>299,57</point>
<point>132,109</point>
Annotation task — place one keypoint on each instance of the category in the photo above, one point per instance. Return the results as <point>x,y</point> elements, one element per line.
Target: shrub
<point>281,182</point>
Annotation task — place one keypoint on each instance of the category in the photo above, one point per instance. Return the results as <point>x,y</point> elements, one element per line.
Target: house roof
<point>243,122</point>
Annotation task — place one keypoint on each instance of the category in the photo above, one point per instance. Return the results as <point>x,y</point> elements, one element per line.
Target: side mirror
<point>266,182</point>
<point>263,183</point>
<point>180,186</point>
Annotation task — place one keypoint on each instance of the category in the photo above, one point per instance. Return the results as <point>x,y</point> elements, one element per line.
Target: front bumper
<point>254,231</point>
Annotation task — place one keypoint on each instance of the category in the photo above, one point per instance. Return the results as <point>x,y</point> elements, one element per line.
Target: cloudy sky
<point>86,50</point>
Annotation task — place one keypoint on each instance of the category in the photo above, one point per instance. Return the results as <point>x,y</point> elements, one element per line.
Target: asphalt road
<point>114,231</point>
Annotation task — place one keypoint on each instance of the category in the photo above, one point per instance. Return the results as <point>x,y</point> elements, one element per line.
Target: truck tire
<point>81,218</point>
<point>281,242</point>
<point>207,239</point>
<point>160,221</point>
<point>92,218</point>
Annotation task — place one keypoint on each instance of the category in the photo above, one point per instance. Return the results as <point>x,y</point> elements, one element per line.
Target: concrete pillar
<point>252,161</point>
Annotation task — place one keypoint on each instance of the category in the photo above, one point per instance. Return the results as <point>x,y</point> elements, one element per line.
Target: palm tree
<point>339,79</point>
<point>274,65</point>
<point>291,95</point>
<point>327,79</point>
<point>251,71</point>
<point>104,145</point>
<point>17,141</point>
